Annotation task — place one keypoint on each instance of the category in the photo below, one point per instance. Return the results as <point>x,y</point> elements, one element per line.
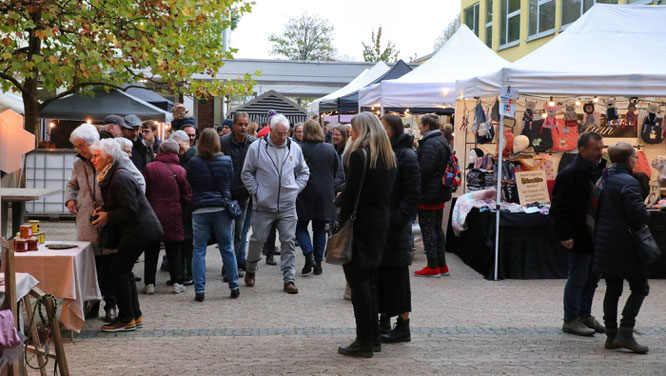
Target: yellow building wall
<point>525,46</point>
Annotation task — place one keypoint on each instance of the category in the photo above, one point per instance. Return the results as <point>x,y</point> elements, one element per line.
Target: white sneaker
<point>149,289</point>
<point>178,288</point>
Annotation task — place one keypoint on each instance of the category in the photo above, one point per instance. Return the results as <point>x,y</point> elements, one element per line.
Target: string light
<point>577,102</point>
<point>51,125</point>
<point>551,103</point>
<point>88,121</point>
<point>595,99</point>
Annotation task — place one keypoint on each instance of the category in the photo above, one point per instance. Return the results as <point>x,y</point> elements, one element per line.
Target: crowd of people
<point>133,193</point>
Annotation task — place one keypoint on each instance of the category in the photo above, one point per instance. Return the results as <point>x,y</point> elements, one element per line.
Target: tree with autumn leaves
<point>59,47</point>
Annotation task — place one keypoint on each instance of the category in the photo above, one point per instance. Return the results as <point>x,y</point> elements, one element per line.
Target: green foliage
<point>305,37</point>
<point>76,44</point>
<point>447,33</point>
<point>373,52</point>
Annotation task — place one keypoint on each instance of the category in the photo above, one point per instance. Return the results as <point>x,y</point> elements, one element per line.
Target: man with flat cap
<point>142,153</point>
<point>112,127</point>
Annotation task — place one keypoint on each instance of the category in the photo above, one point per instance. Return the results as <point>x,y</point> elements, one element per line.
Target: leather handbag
<point>339,245</point>
<point>645,245</point>
<point>232,207</point>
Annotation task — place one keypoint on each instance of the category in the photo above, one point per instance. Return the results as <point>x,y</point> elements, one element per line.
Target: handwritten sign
<point>508,99</point>
<point>532,187</point>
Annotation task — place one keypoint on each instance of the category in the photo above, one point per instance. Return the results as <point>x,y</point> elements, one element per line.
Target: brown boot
<point>249,279</point>
<point>290,288</point>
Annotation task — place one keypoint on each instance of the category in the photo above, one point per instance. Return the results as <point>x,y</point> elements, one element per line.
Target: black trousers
<point>103,264</point>
<point>121,277</point>
<point>174,252</point>
<point>188,247</point>
<point>363,285</point>
<point>639,290</point>
<point>434,242</point>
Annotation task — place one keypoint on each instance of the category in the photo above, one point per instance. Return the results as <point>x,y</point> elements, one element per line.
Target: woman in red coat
<point>166,189</point>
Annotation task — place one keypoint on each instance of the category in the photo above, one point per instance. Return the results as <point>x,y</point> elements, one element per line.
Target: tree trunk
<point>31,108</point>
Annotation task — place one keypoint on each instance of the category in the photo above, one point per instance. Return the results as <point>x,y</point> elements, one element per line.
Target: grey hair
<point>621,152</point>
<point>124,143</point>
<point>180,136</point>
<point>279,119</point>
<point>85,132</point>
<point>107,147</point>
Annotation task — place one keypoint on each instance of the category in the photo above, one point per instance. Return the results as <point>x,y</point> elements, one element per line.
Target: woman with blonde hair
<point>210,174</point>
<point>371,173</point>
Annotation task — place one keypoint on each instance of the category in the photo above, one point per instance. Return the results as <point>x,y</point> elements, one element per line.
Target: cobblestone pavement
<point>461,325</point>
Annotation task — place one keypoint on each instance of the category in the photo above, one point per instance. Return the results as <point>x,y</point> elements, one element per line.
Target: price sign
<point>508,98</point>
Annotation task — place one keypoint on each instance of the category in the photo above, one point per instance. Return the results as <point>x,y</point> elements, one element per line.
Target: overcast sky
<point>412,25</point>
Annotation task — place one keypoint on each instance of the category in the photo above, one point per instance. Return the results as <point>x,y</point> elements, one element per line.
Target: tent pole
<point>381,110</point>
<point>499,195</point>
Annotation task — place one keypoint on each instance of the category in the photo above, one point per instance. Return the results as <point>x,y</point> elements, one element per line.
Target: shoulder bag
<point>232,207</point>
<point>339,245</point>
<point>645,245</point>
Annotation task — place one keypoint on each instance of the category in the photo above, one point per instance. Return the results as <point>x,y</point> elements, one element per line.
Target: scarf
<point>102,174</point>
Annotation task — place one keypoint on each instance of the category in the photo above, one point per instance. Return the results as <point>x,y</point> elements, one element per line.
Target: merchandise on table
<point>20,245</point>
<point>26,231</point>
<point>35,225</point>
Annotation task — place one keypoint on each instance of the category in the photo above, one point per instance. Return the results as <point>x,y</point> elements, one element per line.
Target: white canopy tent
<point>432,84</point>
<point>11,101</point>
<point>610,50</point>
<point>363,79</point>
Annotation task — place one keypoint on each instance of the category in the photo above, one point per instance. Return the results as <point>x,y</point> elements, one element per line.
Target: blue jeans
<point>318,235</point>
<point>219,223</point>
<point>580,286</point>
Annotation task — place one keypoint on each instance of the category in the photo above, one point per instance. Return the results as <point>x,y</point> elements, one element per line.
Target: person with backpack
<point>433,155</point>
<point>571,194</point>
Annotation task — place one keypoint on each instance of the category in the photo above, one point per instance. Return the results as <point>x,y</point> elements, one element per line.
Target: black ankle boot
<point>625,339</point>
<point>92,311</point>
<point>317,268</point>
<point>611,333</point>
<point>400,333</point>
<point>309,263</point>
<point>356,349</point>
<point>384,324</point>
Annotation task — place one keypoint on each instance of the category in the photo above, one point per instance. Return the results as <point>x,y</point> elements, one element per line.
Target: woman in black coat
<point>339,136</point>
<point>128,224</point>
<point>433,155</point>
<point>620,210</point>
<point>370,151</point>
<point>316,202</point>
<point>394,289</point>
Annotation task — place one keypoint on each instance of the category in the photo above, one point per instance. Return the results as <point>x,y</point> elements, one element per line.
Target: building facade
<point>515,28</point>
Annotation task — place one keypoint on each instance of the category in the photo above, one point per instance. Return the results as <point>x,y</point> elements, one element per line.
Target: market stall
<point>577,82</point>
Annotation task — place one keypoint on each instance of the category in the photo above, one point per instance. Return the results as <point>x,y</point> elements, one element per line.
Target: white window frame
<point>509,16</point>
<point>489,24</point>
<point>475,17</point>
<point>544,33</point>
<point>582,10</point>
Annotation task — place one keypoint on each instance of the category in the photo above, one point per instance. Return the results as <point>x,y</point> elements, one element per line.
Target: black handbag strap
<point>360,189</point>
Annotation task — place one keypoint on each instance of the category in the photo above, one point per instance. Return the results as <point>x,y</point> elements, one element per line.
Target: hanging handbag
<point>231,207</point>
<point>645,245</point>
<point>339,245</point>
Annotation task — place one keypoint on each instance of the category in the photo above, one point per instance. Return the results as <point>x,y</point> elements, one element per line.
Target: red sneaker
<point>427,272</point>
<point>444,272</point>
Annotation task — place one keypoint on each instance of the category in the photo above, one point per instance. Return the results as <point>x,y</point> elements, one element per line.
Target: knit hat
<point>229,123</point>
<point>168,146</point>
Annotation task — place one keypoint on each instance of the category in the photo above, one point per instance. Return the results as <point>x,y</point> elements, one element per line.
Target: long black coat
<point>404,199</point>
<point>132,221</point>
<point>570,199</point>
<point>433,155</point>
<point>316,200</point>
<point>237,151</point>
<point>373,214</point>
<point>620,208</point>
<point>142,154</point>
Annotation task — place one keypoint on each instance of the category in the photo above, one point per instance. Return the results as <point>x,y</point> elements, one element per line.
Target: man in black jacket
<point>571,194</point>
<point>142,153</point>
<point>235,145</point>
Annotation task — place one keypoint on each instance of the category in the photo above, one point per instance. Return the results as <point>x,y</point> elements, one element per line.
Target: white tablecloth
<point>68,274</point>
<point>24,283</point>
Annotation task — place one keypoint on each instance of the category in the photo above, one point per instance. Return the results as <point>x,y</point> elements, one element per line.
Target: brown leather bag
<point>339,246</point>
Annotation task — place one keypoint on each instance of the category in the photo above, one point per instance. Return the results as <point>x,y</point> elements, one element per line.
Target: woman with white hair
<point>371,173</point>
<point>126,163</point>
<point>82,196</point>
<point>128,224</point>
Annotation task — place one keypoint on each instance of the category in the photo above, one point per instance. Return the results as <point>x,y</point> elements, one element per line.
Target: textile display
<point>564,138</point>
<point>541,138</point>
<point>642,164</point>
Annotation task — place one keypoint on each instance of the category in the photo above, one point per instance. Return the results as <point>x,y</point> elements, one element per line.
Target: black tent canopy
<point>149,96</point>
<point>81,107</point>
<point>349,102</point>
<point>258,108</point>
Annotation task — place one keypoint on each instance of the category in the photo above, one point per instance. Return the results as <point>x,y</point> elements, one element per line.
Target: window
<point>510,21</point>
<point>489,23</point>
<point>472,18</point>
<point>542,16</point>
<point>572,9</point>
